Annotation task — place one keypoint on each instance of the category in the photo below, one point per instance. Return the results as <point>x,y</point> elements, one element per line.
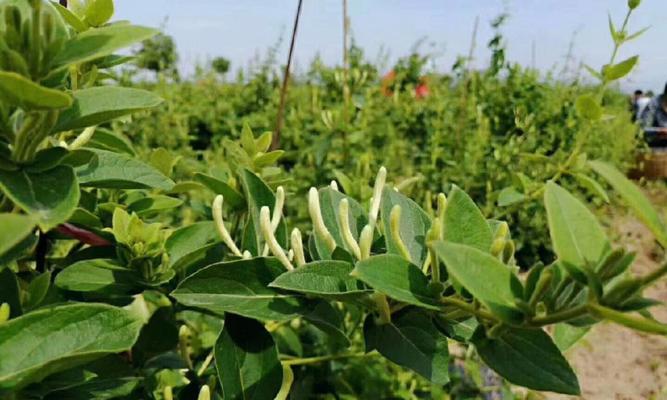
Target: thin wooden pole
<point>275,143</point>
<point>346,78</point>
<point>63,3</point>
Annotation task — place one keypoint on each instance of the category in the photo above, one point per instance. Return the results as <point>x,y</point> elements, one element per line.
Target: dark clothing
<point>654,116</point>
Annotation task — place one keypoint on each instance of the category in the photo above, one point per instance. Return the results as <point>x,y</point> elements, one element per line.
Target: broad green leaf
<point>97,43</point>
<point>565,336</point>
<point>413,225</point>
<point>231,196</point>
<point>634,198</point>
<point>119,171</point>
<point>189,239</point>
<point>98,12</point>
<point>411,340</point>
<point>461,331</point>
<point>483,275</point>
<point>37,290</point>
<point>329,320</point>
<point>588,107</point>
<point>578,239</point>
<point>24,93</point>
<point>72,19</point>
<point>239,287</point>
<point>464,222</point>
<point>329,203</point>
<point>618,71</point>
<point>247,361</point>
<point>397,278</point>
<point>153,204</point>
<point>529,358</point>
<point>50,196</point>
<point>258,195</point>
<point>592,186</point>
<point>321,278</point>
<point>99,389</point>
<point>106,139</point>
<point>98,275</point>
<point>58,338</point>
<point>509,196</point>
<point>15,228</point>
<point>101,104</point>
<point>202,257</point>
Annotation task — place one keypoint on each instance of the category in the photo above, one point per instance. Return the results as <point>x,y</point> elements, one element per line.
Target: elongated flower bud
<point>204,393</point>
<point>4,312</point>
<point>277,214</point>
<point>297,247</point>
<point>395,225</point>
<point>365,242</point>
<point>247,255</point>
<point>380,180</point>
<point>343,213</point>
<point>334,185</point>
<point>168,393</point>
<point>442,206</point>
<point>270,239</point>
<point>220,226</point>
<point>83,138</point>
<point>318,222</point>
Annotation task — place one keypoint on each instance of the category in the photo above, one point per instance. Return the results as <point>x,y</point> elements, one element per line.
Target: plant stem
<point>470,308</point>
<point>320,359</point>
<point>654,275</point>
<point>621,318</point>
<point>560,316</point>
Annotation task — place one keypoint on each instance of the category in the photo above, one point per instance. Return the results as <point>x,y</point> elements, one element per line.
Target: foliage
<point>158,54</point>
<point>146,276</point>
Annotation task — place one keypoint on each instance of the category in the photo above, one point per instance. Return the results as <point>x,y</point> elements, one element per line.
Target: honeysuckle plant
<point>106,293</point>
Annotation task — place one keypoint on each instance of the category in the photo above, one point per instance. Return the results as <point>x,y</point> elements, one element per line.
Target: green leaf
<point>483,275</point>
<point>397,278</point>
<point>578,239</point>
<point>529,358</point>
<point>15,228</point>
<point>588,107</point>
<point>247,361</point>
<point>412,341</point>
<point>24,93</point>
<point>231,196</point>
<point>258,194</point>
<point>97,43</point>
<point>72,19</point>
<point>592,186</point>
<point>102,276</point>
<point>118,171</point>
<point>37,290</point>
<point>101,104</point>
<point>618,71</point>
<point>99,389</point>
<point>58,338</point>
<point>153,204</point>
<point>50,196</point>
<point>329,204</point>
<point>239,287</point>
<point>106,139</point>
<point>329,320</point>
<point>188,239</point>
<point>464,222</point>
<point>98,12</point>
<point>634,198</point>
<point>565,336</point>
<point>321,278</point>
<point>414,225</point>
<point>509,196</point>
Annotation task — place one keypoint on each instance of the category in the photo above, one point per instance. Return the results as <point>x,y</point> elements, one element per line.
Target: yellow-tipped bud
<point>270,239</point>
<point>297,247</point>
<point>318,222</point>
<point>220,226</point>
<point>343,213</point>
<point>395,225</point>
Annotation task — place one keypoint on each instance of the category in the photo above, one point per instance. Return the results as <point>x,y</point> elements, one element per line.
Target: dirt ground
<point>615,363</point>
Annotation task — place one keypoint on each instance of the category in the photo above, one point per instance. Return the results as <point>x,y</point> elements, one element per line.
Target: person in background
<point>642,102</point>
<point>653,119</point>
<point>634,104</point>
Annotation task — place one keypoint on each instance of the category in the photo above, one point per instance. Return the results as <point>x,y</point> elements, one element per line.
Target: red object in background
<point>388,82</point>
<point>82,235</point>
<point>421,90</point>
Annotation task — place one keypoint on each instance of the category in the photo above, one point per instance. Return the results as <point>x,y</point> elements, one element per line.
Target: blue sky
<point>240,30</point>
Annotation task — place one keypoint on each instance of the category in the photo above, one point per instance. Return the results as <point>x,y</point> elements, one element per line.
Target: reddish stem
<point>82,235</point>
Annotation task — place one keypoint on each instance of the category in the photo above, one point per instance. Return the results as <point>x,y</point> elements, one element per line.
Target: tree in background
<point>159,55</point>
<point>220,65</point>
